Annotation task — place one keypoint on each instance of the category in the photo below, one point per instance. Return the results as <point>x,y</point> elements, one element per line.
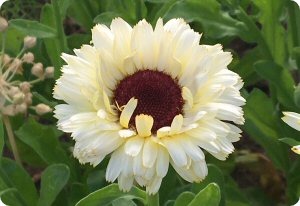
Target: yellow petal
<point>127,112</point>
<point>144,125</point>
<point>296,149</point>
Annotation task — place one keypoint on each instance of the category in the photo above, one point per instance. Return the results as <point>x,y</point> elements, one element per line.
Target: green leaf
<point>15,176</point>
<point>280,79</point>
<point>184,199</point>
<point>105,18</point>
<point>297,95</point>
<point>214,175</point>
<point>33,28</point>
<point>53,180</point>
<point>123,202</point>
<point>272,30</point>
<point>290,141</point>
<point>108,194</point>
<point>77,40</point>
<point>210,195</point>
<point>1,136</point>
<point>262,124</point>
<point>54,46</point>
<point>44,141</point>
<point>216,23</point>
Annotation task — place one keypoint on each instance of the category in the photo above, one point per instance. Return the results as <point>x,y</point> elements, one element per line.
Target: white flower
<point>2,1</point>
<point>149,97</point>
<point>297,203</point>
<point>292,119</point>
<point>297,2</point>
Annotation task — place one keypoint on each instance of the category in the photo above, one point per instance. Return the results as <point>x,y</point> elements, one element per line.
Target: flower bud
<point>37,70</point>
<point>29,42</point>
<point>13,91</point>
<point>6,59</point>
<point>8,110</point>
<point>21,108</point>
<point>25,87</point>
<point>41,109</point>
<point>18,98</point>
<point>28,57</point>
<point>28,98</point>
<point>49,72</point>
<point>3,24</point>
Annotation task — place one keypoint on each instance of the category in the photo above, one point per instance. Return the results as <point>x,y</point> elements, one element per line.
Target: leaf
<point>280,79</point>
<point>216,23</point>
<point>32,28</point>
<point>105,18</point>
<point>290,141</point>
<point>214,175</point>
<point>53,46</point>
<point>184,199</point>
<point>272,30</point>
<point>77,40</point>
<point>1,136</point>
<point>53,179</point>
<point>297,95</point>
<point>262,124</point>
<point>108,194</point>
<point>210,195</point>
<point>16,177</point>
<point>123,202</point>
<point>43,140</point>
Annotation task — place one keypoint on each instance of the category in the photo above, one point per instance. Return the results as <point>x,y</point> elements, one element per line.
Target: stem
<point>152,200</point>
<point>2,51</point>
<point>11,139</point>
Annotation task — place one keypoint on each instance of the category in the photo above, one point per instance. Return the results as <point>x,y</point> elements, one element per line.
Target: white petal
<point>176,124</point>
<point>187,96</point>
<point>149,153</point>
<point>292,119</point>
<point>176,151</point>
<point>125,133</point>
<point>134,145</point>
<point>154,186</point>
<point>162,163</point>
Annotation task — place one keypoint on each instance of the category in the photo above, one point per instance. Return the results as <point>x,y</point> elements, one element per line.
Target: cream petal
<point>144,125</point>
<point>162,162</point>
<point>176,124</point>
<point>102,37</point>
<point>292,119</point>
<point>176,151</point>
<point>128,111</point>
<point>134,145</point>
<point>125,183</point>
<point>150,151</point>
<point>154,186</point>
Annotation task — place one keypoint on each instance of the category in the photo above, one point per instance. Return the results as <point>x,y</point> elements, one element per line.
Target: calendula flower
<point>149,97</point>
<point>293,120</point>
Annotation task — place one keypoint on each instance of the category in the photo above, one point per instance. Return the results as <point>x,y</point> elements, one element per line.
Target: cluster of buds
<point>15,95</point>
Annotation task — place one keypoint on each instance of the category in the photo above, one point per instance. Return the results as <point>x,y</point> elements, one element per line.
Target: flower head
<point>149,97</point>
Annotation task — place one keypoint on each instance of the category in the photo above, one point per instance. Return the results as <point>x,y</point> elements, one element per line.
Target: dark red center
<point>158,95</point>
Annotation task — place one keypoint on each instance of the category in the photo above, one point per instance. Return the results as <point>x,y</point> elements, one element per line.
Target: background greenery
<point>264,37</point>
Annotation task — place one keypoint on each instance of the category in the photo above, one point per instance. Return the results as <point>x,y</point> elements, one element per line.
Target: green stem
<point>11,139</point>
<point>153,200</point>
<point>2,51</point>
